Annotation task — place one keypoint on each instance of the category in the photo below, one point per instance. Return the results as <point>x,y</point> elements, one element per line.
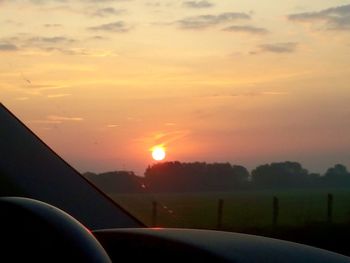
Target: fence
<point>276,206</point>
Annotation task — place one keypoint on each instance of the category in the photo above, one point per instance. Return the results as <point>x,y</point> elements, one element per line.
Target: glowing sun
<point>158,153</point>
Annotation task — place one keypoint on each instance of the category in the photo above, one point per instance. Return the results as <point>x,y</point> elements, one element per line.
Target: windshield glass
<point>230,115</point>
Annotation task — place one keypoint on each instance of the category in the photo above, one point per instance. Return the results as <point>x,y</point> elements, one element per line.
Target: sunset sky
<point>248,82</point>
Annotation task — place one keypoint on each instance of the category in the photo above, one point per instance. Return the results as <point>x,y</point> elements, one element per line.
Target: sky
<point>246,82</point>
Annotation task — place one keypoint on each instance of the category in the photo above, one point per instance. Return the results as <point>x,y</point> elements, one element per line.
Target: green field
<point>241,210</point>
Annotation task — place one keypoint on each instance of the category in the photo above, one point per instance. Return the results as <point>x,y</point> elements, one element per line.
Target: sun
<point>158,153</point>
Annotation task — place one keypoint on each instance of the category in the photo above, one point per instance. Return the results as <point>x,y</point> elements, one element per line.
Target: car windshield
<point>226,115</point>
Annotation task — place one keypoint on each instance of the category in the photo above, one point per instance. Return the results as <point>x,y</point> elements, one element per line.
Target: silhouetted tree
<point>339,171</point>
<point>201,176</point>
<point>197,176</point>
<point>283,174</point>
<point>116,182</point>
<point>337,176</point>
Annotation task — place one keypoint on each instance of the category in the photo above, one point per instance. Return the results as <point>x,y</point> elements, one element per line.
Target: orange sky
<point>248,82</point>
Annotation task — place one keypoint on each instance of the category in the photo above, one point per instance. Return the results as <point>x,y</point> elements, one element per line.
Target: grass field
<point>241,210</point>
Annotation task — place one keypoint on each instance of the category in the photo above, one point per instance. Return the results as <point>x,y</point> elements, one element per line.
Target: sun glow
<point>158,153</point>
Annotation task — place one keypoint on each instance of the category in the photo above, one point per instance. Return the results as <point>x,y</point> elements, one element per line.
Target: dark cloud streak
<point>335,18</point>
<point>52,25</point>
<point>198,4</point>
<point>51,40</point>
<point>247,29</point>
<point>118,27</point>
<point>205,21</point>
<point>8,47</point>
<point>41,2</point>
<point>288,47</point>
<point>105,1</point>
<point>108,11</point>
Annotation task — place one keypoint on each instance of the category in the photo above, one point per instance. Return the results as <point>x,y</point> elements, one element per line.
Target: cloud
<point>21,98</point>
<point>24,41</point>
<point>288,47</point>
<point>119,27</point>
<point>59,95</point>
<point>42,87</point>
<point>105,1</point>
<point>8,47</point>
<point>274,93</point>
<point>45,122</point>
<point>42,2</point>
<point>51,40</point>
<point>52,25</point>
<point>97,37</point>
<point>167,138</point>
<point>153,4</point>
<point>198,4</point>
<point>46,44</point>
<point>335,18</point>
<point>247,29</point>
<point>170,124</point>
<point>55,119</point>
<point>66,51</point>
<point>12,22</point>
<point>113,125</point>
<point>56,44</point>
<point>205,21</point>
<point>164,138</point>
<point>63,118</point>
<point>108,11</point>
<point>251,94</point>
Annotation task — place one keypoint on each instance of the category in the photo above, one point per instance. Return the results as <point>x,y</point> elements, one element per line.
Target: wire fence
<point>232,211</point>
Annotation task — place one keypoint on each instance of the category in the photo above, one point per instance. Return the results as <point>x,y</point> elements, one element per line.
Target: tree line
<point>202,176</point>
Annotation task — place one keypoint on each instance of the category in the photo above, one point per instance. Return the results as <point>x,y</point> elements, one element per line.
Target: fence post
<point>329,208</point>
<point>154,213</point>
<point>275,211</point>
<point>220,213</point>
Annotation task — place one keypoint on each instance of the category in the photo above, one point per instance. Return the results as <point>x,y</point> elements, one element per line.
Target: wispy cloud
<point>274,93</point>
<point>25,41</point>
<point>205,21</point>
<point>60,95</point>
<point>247,29</point>
<point>12,22</point>
<point>287,47</point>
<point>170,124</point>
<point>154,4</point>
<point>56,119</point>
<point>334,18</point>
<point>118,27</point>
<point>41,2</point>
<point>113,125</point>
<point>108,11</point>
<point>42,87</point>
<point>105,1</point>
<point>51,40</point>
<point>169,137</point>
<point>46,2</point>
<point>97,37</point>
<point>45,122</point>
<point>52,25</point>
<point>198,4</point>
<point>164,138</point>
<point>21,98</point>
<point>55,44</point>
<point>8,47</point>
<point>63,118</point>
<point>251,94</point>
